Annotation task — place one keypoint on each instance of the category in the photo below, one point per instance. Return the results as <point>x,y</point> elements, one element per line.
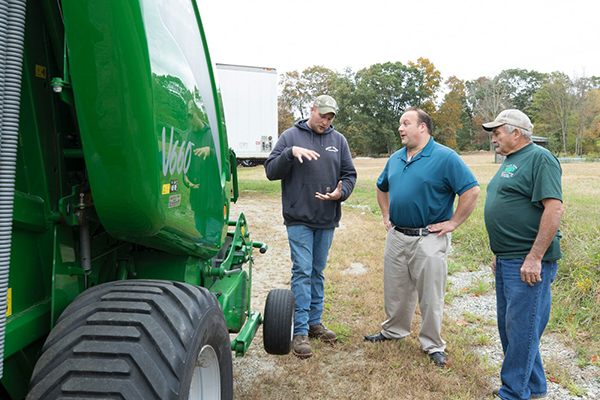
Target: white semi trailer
<point>250,103</point>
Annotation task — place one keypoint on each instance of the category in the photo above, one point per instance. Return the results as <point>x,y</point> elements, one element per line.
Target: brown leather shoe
<point>301,346</point>
<point>322,333</point>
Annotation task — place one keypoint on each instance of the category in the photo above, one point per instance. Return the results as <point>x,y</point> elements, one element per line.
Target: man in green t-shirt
<point>523,209</point>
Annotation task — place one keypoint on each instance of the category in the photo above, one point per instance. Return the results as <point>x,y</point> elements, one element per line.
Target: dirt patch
<point>272,269</point>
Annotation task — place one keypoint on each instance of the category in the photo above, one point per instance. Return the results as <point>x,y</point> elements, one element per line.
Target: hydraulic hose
<point>12,25</point>
<point>3,41</point>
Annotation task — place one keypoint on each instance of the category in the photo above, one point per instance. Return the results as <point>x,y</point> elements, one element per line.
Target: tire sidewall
<point>212,331</point>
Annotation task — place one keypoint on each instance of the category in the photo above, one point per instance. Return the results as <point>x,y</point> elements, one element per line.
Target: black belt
<point>413,231</point>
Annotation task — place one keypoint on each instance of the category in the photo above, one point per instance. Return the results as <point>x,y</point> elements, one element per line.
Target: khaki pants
<point>414,268</point>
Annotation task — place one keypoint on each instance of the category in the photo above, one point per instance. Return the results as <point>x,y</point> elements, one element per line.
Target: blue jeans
<point>523,313</point>
<point>309,248</point>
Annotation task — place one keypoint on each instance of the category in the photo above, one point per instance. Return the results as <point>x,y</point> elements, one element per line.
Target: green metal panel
<point>29,213</point>
<point>166,266</point>
<point>28,327</point>
<point>232,292</point>
<point>151,123</point>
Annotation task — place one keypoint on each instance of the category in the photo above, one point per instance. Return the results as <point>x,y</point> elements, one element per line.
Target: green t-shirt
<point>513,205</point>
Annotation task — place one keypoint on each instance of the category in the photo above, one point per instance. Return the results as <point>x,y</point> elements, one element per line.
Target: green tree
<point>342,89</point>
<point>315,81</point>
<point>520,85</point>
<point>553,107</point>
<point>383,92</point>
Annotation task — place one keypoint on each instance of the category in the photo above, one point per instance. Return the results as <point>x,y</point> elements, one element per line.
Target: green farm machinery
<point>122,273</point>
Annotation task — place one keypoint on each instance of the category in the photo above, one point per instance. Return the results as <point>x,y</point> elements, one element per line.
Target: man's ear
<point>518,132</point>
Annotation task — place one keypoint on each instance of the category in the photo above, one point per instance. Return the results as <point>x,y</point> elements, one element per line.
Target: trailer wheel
<point>139,339</point>
<point>278,325</point>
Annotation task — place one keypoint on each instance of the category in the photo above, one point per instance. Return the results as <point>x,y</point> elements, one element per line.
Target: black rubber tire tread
<point>136,339</point>
<point>278,321</point>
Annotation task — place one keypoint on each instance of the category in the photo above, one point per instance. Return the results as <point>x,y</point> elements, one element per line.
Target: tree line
<point>563,109</point>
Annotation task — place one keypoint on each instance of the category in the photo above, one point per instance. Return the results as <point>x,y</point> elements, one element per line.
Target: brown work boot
<point>301,346</point>
<point>322,333</point>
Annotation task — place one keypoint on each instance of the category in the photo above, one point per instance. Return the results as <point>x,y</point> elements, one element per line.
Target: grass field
<point>355,306</point>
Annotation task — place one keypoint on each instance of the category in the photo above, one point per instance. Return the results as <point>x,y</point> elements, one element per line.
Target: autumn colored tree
<point>585,107</point>
<point>285,116</point>
<point>591,134</point>
<point>432,79</point>
<point>290,98</point>
<point>449,117</point>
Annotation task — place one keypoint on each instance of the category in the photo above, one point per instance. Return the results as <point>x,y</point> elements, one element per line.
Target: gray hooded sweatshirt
<point>300,181</point>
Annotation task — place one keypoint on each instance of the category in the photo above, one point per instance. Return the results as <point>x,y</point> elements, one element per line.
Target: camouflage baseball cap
<point>326,104</point>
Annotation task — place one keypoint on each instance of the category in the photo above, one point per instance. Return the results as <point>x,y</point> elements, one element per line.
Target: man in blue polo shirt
<point>416,193</point>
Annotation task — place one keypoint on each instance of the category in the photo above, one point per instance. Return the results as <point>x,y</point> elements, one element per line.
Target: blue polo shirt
<point>422,191</point>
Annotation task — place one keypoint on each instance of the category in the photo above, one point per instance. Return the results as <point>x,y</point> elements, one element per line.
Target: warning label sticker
<point>174,201</point>
<point>9,302</point>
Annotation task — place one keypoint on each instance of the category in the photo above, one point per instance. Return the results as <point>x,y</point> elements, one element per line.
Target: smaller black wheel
<point>278,324</point>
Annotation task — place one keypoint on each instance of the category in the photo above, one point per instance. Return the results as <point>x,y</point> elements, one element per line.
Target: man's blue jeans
<point>523,313</point>
<point>309,248</point>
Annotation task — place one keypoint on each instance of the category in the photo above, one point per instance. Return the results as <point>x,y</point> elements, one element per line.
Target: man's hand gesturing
<point>335,195</point>
<point>301,152</point>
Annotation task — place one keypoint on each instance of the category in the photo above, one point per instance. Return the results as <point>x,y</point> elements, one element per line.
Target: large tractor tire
<point>138,339</point>
<point>278,325</point>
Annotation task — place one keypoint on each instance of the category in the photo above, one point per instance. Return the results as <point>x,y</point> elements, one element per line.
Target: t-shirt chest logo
<point>509,171</point>
<point>331,148</point>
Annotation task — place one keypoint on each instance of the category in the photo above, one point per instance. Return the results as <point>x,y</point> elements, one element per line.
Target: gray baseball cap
<point>326,104</point>
<point>511,117</point>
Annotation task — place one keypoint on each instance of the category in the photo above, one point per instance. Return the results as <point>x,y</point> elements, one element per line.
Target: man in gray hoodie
<point>315,167</point>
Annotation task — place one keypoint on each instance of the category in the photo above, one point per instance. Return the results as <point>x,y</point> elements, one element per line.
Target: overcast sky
<point>465,38</point>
